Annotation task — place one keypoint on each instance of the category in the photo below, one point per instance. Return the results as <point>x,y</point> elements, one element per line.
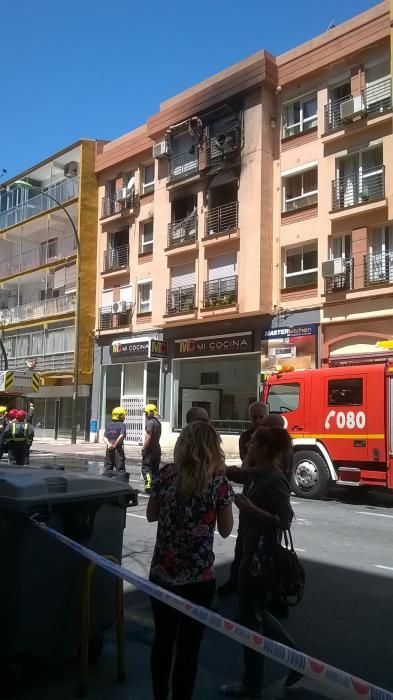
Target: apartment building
<point>247,222</point>
<point>39,264</point>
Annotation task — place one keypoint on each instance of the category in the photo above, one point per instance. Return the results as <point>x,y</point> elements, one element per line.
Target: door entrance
<point>140,385</point>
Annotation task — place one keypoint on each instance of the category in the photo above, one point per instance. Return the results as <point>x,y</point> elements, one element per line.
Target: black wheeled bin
<point>41,580</point>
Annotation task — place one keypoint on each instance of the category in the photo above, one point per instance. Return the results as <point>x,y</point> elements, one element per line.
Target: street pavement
<point>345,543</point>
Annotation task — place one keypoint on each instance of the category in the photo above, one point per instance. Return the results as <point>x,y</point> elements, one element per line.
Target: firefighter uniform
<point>151,452</point>
<point>3,423</point>
<point>18,436</point>
<point>115,457</point>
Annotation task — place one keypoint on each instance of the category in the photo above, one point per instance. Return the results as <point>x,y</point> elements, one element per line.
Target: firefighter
<point>29,419</point>
<point>18,435</point>
<point>151,451</point>
<point>3,423</point>
<point>114,438</point>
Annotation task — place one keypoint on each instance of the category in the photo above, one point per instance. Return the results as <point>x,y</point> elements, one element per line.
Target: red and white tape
<point>344,684</point>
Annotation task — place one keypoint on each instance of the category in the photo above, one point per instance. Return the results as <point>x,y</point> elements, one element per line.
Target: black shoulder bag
<point>276,564</point>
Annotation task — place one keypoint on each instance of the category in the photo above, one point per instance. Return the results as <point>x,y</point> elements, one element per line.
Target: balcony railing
<point>223,146</point>
<point>182,165</point>
<point>375,100</point>
<point>111,206</point>
<point>342,282</point>
<point>39,309</point>
<point>183,231</point>
<point>222,219</point>
<point>42,254</point>
<point>358,188</point>
<point>63,191</point>
<point>378,268</point>
<point>44,363</point>
<point>116,258</point>
<point>221,292</point>
<point>180,300</point>
<point>108,319</point>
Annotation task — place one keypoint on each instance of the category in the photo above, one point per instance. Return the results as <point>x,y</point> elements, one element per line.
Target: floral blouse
<point>184,546</point>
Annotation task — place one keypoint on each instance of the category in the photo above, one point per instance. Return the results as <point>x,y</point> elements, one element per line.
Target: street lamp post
<point>28,186</point>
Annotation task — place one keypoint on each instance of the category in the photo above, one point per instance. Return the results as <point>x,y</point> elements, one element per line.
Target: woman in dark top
<point>264,510</point>
<point>188,499</point>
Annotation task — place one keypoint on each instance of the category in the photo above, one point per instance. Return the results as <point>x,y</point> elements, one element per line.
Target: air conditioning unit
<point>334,267</point>
<point>122,194</point>
<point>71,169</point>
<point>352,108</point>
<point>160,150</point>
<point>119,307</point>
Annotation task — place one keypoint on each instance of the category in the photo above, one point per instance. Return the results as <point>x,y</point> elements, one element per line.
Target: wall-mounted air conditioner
<point>160,150</point>
<point>119,307</point>
<point>352,108</point>
<point>122,194</point>
<point>334,267</point>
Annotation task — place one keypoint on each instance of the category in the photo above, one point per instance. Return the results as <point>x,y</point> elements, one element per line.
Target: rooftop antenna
<point>331,25</point>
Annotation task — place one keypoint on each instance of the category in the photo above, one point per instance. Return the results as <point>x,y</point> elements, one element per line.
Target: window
<point>378,95</point>
<point>300,115</point>
<point>144,297</point>
<point>360,178</point>
<point>345,392</point>
<point>146,237</point>
<point>301,266</point>
<point>283,398</point>
<point>300,190</point>
<point>340,247</point>
<point>380,259</point>
<point>148,179</point>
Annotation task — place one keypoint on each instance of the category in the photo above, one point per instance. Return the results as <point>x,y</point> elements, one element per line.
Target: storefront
<point>295,344</point>
<point>220,373</point>
<point>131,375</point>
<point>357,342</point>
<point>53,411</point>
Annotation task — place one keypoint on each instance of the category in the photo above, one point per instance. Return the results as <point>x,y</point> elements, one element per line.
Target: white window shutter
<point>222,266</point>
<point>183,276</point>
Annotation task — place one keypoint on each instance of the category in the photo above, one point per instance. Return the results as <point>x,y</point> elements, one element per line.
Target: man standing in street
<point>257,412</point>
<point>114,435</point>
<point>151,450</point>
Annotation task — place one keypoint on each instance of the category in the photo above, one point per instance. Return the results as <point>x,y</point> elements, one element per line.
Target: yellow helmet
<point>3,410</point>
<point>118,413</point>
<point>151,408</point>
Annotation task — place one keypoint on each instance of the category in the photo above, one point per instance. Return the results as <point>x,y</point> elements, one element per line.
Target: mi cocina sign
<point>214,345</point>
<point>139,348</point>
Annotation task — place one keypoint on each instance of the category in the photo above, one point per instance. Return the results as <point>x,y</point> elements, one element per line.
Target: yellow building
<point>39,264</point>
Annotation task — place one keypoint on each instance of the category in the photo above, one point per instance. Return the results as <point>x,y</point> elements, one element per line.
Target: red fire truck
<point>341,423</point>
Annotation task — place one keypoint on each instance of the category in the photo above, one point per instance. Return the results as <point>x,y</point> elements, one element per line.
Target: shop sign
<point>291,332</point>
<point>138,348</point>
<point>215,345</point>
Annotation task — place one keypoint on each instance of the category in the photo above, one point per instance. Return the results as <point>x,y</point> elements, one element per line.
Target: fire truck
<point>341,423</point>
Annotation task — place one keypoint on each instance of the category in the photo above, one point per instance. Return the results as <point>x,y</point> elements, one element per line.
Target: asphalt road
<point>346,545</point>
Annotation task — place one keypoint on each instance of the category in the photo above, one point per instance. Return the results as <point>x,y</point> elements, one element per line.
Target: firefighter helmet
<point>3,410</point>
<point>21,416</point>
<point>151,408</point>
<point>118,413</point>
<point>12,413</point>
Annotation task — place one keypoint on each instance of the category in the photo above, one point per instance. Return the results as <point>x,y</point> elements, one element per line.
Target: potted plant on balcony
<point>364,196</point>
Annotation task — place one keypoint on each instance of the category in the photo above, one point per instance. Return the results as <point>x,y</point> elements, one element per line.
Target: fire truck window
<point>345,392</point>
<point>283,398</point>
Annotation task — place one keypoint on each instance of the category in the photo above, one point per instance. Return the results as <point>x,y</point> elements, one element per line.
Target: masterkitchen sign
<point>138,348</point>
<point>214,345</point>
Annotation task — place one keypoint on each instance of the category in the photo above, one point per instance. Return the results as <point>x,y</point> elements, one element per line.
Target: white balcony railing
<point>41,254</point>
<point>63,191</point>
<point>44,363</point>
<point>38,309</point>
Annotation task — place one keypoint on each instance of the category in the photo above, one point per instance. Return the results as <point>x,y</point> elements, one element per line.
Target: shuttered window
<point>183,276</point>
<point>222,266</point>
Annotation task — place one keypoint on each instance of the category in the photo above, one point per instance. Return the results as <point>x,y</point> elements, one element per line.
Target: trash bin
<point>41,580</point>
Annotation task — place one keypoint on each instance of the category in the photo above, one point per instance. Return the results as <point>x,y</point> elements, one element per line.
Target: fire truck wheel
<point>310,474</point>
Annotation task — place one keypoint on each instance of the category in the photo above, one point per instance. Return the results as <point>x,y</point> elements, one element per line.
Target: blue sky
<point>95,69</point>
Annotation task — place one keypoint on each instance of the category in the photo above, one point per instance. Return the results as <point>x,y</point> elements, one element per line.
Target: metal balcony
<point>223,146</point>
<point>222,219</point>
<point>116,258</point>
<point>44,363</point>
<point>180,300</point>
<point>182,165</point>
<point>220,292</point>
<point>358,188</point>
<point>63,191</point>
<point>376,99</point>
<point>108,319</point>
<point>378,268</point>
<point>39,309</point>
<point>110,206</point>
<point>183,231</point>
<point>42,254</point>
<point>343,282</point>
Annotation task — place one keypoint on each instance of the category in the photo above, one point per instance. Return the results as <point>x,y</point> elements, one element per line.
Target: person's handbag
<point>276,564</point>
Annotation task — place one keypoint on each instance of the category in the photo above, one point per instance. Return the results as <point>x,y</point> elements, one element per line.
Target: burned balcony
<point>222,219</point>
<point>373,100</point>
<point>184,231</point>
<point>183,165</point>
<point>220,292</point>
<point>378,269</point>
<point>223,145</point>
<point>180,299</point>
<point>116,258</point>
<point>341,280</point>
<point>358,187</point>
<point>119,315</point>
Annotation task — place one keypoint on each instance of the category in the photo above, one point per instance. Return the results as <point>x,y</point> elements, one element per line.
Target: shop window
<point>283,398</point>
<point>300,115</point>
<point>111,392</point>
<point>345,392</point>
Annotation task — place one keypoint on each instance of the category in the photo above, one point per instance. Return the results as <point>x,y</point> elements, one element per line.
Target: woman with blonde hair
<point>189,499</point>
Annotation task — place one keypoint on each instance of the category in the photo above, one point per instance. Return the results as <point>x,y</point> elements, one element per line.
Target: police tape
<point>345,685</point>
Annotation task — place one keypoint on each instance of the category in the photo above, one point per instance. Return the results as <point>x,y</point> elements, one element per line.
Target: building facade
<point>39,265</point>
<point>247,223</point>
